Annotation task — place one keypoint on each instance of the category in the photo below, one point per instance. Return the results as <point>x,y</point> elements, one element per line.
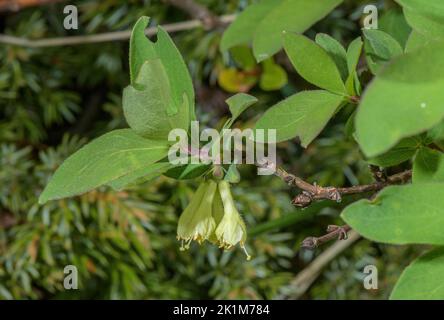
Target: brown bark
<point>16,5</point>
<point>196,11</point>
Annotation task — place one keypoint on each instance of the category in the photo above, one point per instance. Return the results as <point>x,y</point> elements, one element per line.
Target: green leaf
<point>425,19</point>
<point>354,51</point>
<point>403,151</point>
<point>436,133</point>
<point>427,26</point>
<point>263,23</point>
<point>238,104</point>
<point>433,8</point>
<point>428,166</point>
<point>382,44</point>
<point>243,56</point>
<point>105,159</point>
<point>176,69</point>
<point>416,41</point>
<point>403,100</point>
<point>393,22</point>
<point>291,16</point>
<point>149,107</point>
<point>242,30</point>
<point>336,52</point>
<point>141,175</point>
<point>380,48</point>
<point>273,76</point>
<point>401,215</point>
<point>419,281</point>
<point>313,63</point>
<point>141,49</point>
<point>349,127</point>
<point>188,171</point>
<point>304,114</point>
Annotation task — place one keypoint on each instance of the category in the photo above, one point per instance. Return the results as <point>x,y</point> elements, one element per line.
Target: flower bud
<point>197,222</point>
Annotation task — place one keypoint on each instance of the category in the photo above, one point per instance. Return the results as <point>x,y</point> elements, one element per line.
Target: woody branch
<point>312,192</point>
<point>196,11</point>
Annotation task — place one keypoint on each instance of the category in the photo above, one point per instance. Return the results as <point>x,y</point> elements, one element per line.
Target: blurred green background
<point>54,99</point>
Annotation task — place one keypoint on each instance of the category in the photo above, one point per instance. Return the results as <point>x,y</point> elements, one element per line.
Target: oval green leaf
<point>411,214</point>
<point>313,63</point>
<point>428,166</point>
<point>238,104</point>
<point>142,49</point>
<point>104,159</point>
<point>144,174</point>
<point>405,99</point>
<point>149,107</point>
<point>290,15</point>
<point>263,23</point>
<point>421,280</point>
<point>336,51</point>
<point>241,31</point>
<point>304,114</point>
<point>403,151</point>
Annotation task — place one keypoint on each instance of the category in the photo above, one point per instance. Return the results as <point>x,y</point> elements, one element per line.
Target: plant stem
<point>313,192</point>
<point>104,37</point>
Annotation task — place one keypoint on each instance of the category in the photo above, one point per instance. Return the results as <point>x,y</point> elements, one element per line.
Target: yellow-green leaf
<point>148,105</point>
<point>421,280</point>
<point>291,16</point>
<point>262,23</point>
<point>302,115</point>
<point>405,99</point>
<point>428,166</point>
<point>401,215</point>
<point>336,51</point>
<point>313,63</point>
<point>101,161</point>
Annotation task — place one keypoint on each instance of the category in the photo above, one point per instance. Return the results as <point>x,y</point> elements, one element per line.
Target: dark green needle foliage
<point>84,179</point>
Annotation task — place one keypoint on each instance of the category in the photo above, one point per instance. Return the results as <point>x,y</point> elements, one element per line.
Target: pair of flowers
<point>212,216</point>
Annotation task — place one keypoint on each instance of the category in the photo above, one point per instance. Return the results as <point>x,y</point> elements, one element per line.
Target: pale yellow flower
<point>231,230</point>
<point>197,222</point>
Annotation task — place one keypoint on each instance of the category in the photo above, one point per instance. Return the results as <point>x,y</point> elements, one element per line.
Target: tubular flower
<point>231,229</point>
<point>197,222</point>
<point>218,214</point>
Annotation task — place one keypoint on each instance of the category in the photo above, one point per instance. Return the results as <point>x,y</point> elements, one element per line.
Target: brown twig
<point>196,11</point>
<point>313,192</point>
<point>104,37</point>
<point>304,279</point>
<point>333,232</point>
<point>378,174</point>
<point>355,99</point>
<point>16,5</point>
